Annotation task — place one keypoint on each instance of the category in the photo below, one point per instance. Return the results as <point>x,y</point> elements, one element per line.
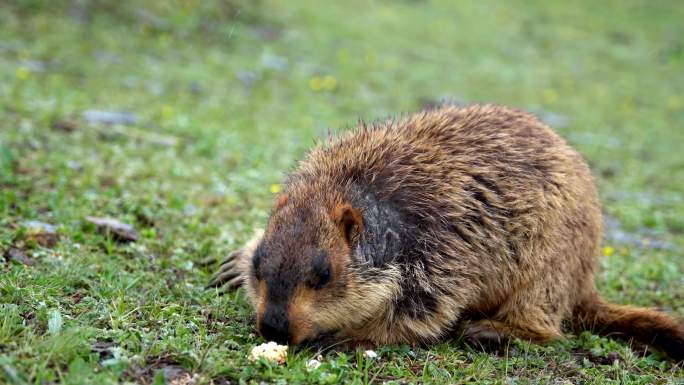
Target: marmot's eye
<point>320,272</point>
<point>323,277</point>
<point>319,279</point>
<point>256,262</point>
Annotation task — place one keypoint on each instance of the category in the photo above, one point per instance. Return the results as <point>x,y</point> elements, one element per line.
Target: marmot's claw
<point>228,287</point>
<point>228,276</point>
<point>231,285</point>
<point>228,266</point>
<point>221,278</point>
<point>232,257</point>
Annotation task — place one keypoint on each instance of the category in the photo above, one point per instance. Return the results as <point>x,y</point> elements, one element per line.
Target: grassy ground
<point>225,101</point>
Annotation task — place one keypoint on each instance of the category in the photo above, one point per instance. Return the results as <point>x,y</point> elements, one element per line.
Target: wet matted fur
<point>397,231</point>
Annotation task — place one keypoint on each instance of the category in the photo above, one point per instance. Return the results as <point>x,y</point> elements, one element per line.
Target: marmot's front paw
<point>233,270</point>
<point>484,334</point>
<point>229,276</point>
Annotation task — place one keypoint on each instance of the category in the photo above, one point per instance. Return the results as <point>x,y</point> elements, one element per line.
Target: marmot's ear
<point>349,220</point>
<point>280,201</point>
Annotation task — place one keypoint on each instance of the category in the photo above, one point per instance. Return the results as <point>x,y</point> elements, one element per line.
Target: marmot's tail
<point>647,326</point>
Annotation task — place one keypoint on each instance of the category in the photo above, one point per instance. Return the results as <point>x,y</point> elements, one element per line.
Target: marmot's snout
<point>274,325</point>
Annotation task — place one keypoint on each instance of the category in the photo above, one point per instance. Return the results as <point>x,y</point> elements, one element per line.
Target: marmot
<point>480,217</point>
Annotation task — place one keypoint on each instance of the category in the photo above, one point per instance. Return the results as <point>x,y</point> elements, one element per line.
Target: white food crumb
<point>313,364</point>
<point>270,351</point>
<point>370,354</point>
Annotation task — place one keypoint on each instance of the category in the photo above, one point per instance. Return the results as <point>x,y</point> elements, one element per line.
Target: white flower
<point>313,364</point>
<point>370,354</point>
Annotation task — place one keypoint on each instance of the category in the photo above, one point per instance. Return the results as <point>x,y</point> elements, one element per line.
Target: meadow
<point>180,119</point>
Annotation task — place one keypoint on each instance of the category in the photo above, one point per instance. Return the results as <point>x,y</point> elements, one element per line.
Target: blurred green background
<point>180,118</point>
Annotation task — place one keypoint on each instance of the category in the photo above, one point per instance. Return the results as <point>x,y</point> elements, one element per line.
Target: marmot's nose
<point>274,325</point>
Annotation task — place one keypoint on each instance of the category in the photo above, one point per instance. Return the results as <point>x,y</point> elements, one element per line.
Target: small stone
<point>195,87</point>
<point>247,78</point>
<point>274,62</point>
<point>189,210</point>
<point>109,117</point>
<point>268,32</point>
<point>120,231</point>
<point>183,379</point>
<point>370,354</point>
<point>74,165</point>
<point>17,255</point>
<point>35,65</point>
<point>177,375</point>
<point>44,234</point>
<point>65,125</point>
<point>172,372</point>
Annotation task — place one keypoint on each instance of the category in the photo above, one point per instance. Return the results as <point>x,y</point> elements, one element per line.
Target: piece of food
<point>313,364</point>
<point>270,351</point>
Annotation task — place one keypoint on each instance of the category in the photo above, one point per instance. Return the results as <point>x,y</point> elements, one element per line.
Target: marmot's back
<point>491,176</point>
<point>509,155</point>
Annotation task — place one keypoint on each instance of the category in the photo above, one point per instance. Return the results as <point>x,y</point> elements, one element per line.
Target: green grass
<point>227,99</point>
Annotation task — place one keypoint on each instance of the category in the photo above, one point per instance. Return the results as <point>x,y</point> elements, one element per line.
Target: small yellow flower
<point>23,73</point>
<point>166,112</point>
<point>316,83</point>
<point>275,188</point>
<point>325,83</point>
<point>608,251</point>
<point>329,83</point>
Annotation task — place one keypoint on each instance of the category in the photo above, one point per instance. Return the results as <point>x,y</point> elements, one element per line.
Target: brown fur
<point>280,201</point>
<point>480,216</point>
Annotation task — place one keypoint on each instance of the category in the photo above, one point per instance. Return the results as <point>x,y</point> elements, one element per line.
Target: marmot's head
<point>305,279</point>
